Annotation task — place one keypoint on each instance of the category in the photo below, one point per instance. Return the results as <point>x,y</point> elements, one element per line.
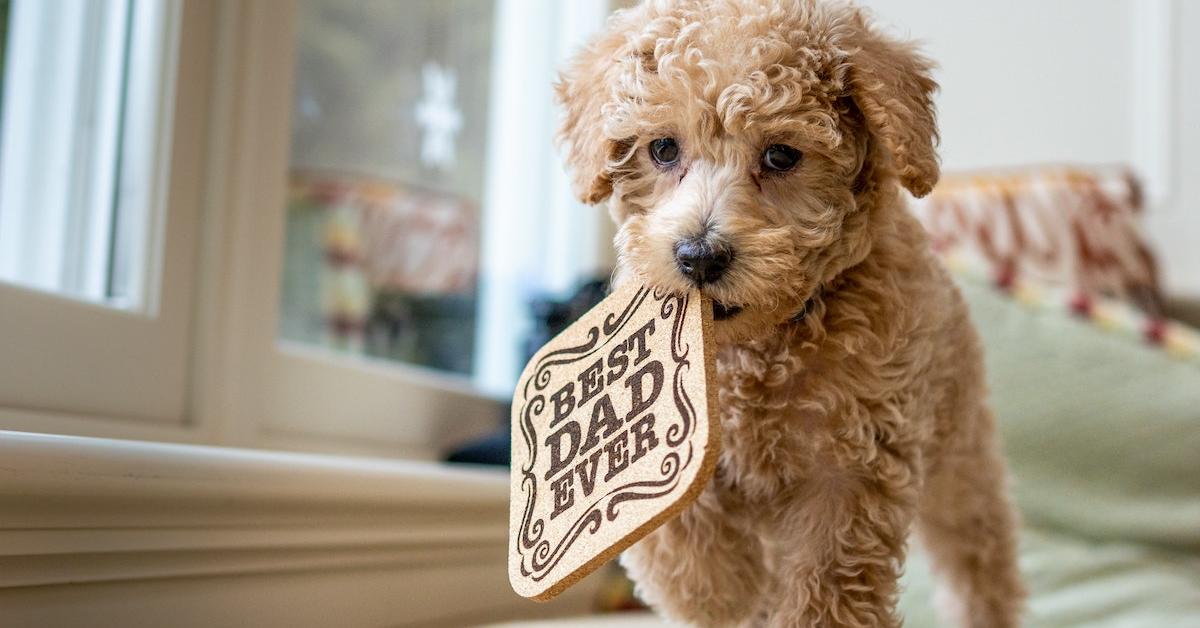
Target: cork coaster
<point>614,432</point>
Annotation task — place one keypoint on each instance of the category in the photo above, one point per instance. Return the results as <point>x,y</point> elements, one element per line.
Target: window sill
<point>369,541</point>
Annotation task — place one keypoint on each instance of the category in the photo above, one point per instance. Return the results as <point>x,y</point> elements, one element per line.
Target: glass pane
<point>420,230</point>
<point>81,104</point>
<point>389,125</point>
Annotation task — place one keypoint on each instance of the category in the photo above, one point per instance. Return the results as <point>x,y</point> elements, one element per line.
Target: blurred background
<point>267,265</point>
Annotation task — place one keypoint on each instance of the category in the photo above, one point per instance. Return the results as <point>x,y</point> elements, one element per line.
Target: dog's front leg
<point>703,567</point>
<point>838,546</point>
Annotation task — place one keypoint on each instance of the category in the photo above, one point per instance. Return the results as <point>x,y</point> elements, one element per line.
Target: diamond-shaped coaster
<point>614,431</point>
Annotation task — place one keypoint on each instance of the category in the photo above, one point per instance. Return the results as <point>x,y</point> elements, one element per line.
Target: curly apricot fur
<point>849,426</point>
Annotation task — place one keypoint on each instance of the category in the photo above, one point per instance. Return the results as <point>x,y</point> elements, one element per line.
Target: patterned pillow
<point>1062,226</point>
<point>1108,315</point>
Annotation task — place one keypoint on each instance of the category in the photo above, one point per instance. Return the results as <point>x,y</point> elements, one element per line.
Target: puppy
<point>756,149</point>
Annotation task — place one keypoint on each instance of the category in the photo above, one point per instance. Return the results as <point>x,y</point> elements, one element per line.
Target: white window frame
<point>89,89</point>
<point>63,91</point>
<point>281,394</point>
<point>83,368</point>
<point>201,361</point>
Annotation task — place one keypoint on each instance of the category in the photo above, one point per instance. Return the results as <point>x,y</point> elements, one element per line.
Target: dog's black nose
<point>701,261</point>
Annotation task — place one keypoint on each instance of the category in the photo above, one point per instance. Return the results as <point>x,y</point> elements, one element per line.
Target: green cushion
<point>1101,430</point>
<point>1102,434</point>
<point>1077,583</point>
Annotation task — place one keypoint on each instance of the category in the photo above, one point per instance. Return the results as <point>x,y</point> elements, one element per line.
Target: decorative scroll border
<point>538,555</point>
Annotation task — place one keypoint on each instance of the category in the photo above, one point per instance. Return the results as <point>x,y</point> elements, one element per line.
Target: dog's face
<point>741,145</point>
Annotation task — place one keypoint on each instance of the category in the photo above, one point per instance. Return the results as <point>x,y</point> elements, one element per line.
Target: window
<point>77,159</point>
<point>386,178</point>
<point>313,225</point>
<point>426,208</point>
<point>421,135</point>
<point>102,139</point>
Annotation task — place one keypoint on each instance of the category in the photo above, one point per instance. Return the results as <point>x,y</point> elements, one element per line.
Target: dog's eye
<point>780,158</point>
<point>664,151</point>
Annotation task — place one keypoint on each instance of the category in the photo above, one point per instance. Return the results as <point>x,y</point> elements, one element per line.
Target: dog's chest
<point>777,419</point>
<point>790,416</point>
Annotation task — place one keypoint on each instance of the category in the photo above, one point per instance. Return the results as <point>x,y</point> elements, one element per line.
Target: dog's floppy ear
<point>891,84</point>
<point>582,89</point>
